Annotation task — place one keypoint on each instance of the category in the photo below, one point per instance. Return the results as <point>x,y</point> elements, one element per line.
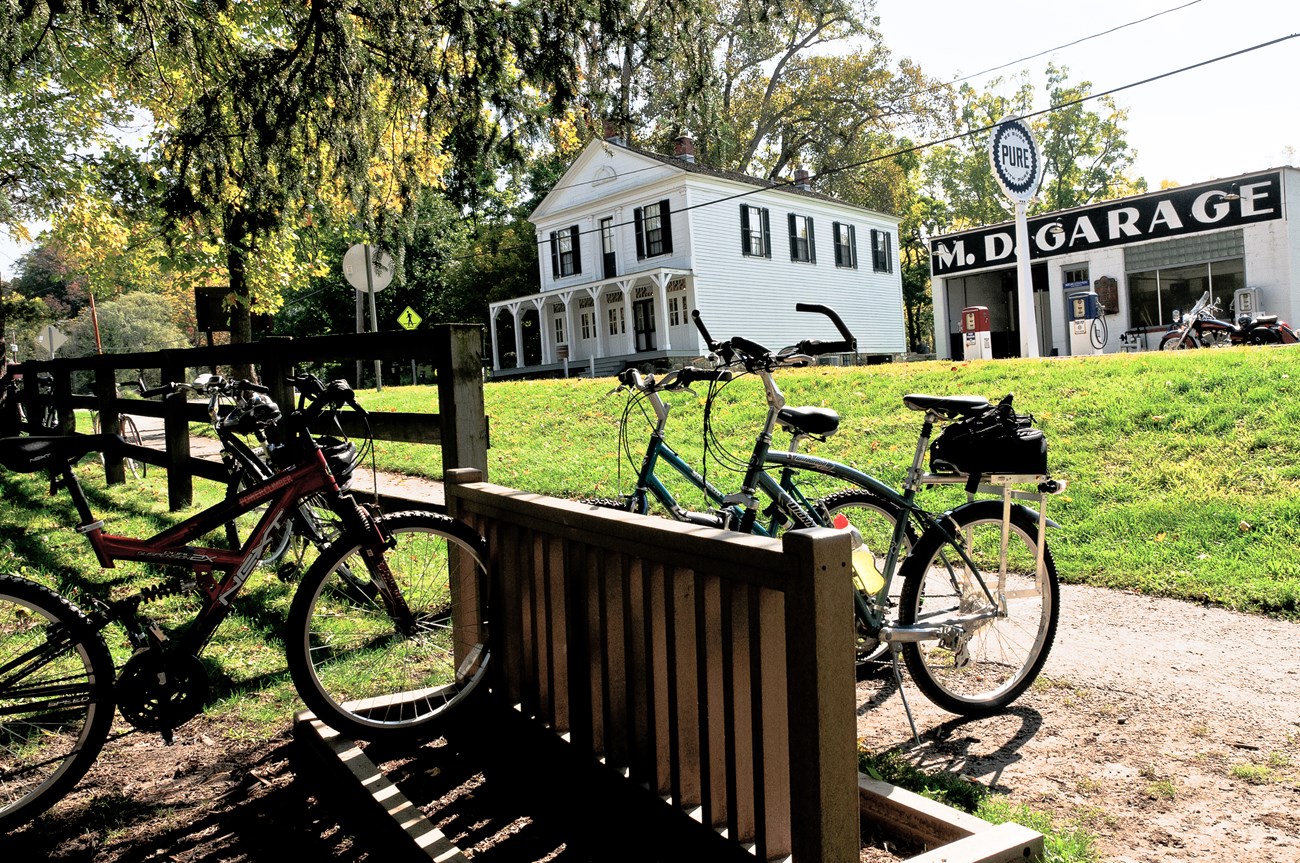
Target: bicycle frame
<point>220,573</point>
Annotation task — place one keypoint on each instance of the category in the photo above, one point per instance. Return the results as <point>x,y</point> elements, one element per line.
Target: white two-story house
<point>631,242</point>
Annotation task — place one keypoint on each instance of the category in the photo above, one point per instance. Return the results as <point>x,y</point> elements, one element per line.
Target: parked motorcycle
<point>1201,327</point>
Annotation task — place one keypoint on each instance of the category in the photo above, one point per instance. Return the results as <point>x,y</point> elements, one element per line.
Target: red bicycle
<point>386,631</point>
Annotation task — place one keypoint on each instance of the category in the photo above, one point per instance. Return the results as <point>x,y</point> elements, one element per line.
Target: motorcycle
<point>1201,327</point>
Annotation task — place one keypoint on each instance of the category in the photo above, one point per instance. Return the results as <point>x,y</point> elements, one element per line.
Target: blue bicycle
<point>969,596</point>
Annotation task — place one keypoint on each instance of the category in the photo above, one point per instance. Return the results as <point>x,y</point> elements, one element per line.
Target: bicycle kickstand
<point>895,651</point>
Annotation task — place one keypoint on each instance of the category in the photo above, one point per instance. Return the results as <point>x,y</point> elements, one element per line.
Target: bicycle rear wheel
<point>356,666</point>
<point>991,654</point>
<point>874,517</point>
<point>56,698</point>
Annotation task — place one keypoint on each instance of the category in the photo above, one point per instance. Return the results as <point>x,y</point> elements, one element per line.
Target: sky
<point>1232,117</point>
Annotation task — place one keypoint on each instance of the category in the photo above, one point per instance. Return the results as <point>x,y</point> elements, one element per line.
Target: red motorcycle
<point>1201,328</point>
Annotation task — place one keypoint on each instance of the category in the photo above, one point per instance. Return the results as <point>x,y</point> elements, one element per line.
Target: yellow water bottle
<point>866,575</point>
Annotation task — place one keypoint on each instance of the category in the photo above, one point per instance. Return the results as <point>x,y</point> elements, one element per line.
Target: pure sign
<point>1015,160</point>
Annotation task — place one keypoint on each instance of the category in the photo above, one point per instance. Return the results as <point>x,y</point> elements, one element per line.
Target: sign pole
<point>1025,278</point>
<point>361,315</point>
<point>374,318</point>
<point>1018,167</point>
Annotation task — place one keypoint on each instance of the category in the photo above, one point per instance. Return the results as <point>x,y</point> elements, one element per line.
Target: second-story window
<point>846,245</point>
<point>654,230</point>
<point>566,259</point>
<point>755,232</point>
<point>803,247</point>
<point>882,258</point>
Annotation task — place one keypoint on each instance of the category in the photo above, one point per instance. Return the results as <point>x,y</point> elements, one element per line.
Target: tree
<point>1086,157</point>
<point>126,324</point>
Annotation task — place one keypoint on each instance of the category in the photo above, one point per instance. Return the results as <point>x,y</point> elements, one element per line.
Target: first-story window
<point>1153,295</point>
<point>882,255</point>
<point>559,331</point>
<point>616,323</point>
<point>846,245</point>
<point>588,324</point>
<point>566,258</point>
<point>802,245</point>
<point>676,310</point>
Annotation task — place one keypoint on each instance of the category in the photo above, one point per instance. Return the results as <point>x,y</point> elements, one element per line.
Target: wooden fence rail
<point>707,666</point>
<point>454,350</point>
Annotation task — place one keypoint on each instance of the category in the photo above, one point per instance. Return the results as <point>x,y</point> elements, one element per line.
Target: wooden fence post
<point>176,432</point>
<point>823,722</point>
<point>458,357</point>
<point>276,366</point>
<point>106,392</point>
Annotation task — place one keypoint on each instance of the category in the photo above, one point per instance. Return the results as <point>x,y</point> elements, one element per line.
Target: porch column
<point>599,321</point>
<point>629,334</point>
<point>570,334</point>
<point>661,280</point>
<point>544,322</point>
<point>519,337</point>
<point>496,348</point>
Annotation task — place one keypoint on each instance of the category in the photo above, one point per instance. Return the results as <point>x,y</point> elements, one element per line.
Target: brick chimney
<point>612,132</point>
<point>684,148</point>
<point>802,179</point>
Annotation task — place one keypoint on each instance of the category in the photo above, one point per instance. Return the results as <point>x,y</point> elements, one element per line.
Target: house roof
<point>700,169</point>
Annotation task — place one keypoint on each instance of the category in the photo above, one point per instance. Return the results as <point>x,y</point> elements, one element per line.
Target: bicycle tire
<point>989,665</point>
<point>874,517</point>
<point>281,534</point>
<point>355,669</point>
<point>56,698</point>
<point>128,431</point>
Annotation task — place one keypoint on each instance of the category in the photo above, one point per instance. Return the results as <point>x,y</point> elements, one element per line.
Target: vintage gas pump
<point>976,342</point>
<point>1087,327</point>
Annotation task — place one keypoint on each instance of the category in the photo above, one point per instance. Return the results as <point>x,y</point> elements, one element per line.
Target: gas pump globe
<point>1087,326</point>
<point>976,341</point>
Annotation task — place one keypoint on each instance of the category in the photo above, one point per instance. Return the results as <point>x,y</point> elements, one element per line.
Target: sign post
<point>369,270</point>
<point>1019,169</point>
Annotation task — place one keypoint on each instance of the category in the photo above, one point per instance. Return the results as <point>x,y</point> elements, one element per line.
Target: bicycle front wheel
<point>360,661</point>
<point>56,698</point>
<point>989,653</point>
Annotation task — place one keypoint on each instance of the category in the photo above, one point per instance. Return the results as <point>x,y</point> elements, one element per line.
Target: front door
<point>643,324</point>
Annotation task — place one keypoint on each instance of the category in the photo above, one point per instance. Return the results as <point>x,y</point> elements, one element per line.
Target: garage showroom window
<point>1154,294</point>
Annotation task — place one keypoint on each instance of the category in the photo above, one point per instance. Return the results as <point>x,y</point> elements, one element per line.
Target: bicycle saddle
<point>818,421</point>
<point>948,407</point>
<point>30,454</point>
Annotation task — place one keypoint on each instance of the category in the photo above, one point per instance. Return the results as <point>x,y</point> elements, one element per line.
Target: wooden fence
<point>708,666</point>
<point>454,350</point>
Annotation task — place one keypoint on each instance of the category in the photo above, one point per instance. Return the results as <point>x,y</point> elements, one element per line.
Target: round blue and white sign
<point>1015,159</point>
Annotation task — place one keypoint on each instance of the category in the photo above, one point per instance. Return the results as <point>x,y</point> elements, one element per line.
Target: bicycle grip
<point>816,347</point>
<point>689,375</point>
<point>753,349</point>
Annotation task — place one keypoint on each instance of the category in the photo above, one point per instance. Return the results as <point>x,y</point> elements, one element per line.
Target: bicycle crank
<point>157,692</point>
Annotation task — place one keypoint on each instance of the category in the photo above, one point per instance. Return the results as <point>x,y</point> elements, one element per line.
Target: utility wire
<point>933,143</point>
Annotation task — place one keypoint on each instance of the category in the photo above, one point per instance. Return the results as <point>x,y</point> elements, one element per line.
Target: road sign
<point>1015,159</point>
<point>408,319</point>
<point>354,267</point>
<point>52,338</point>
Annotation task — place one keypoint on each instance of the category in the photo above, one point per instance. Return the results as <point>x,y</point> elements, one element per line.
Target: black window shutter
<point>853,247</point>
<point>889,252</point>
<point>640,233</point>
<point>767,235</point>
<point>835,241</point>
<point>577,249</point>
<point>812,244</point>
<point>555,254</point>
<point>875,250</point>
<point>794,239</point>
<point>666,226</point>
<point>744,230</point>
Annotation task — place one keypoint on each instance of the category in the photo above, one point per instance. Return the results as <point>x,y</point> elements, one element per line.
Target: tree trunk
<point>241,325</point>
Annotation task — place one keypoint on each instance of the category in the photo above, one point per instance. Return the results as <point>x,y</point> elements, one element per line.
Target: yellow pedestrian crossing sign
<point>409,319</point>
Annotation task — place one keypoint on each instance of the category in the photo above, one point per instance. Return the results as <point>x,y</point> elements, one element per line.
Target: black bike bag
<point>995,441</point>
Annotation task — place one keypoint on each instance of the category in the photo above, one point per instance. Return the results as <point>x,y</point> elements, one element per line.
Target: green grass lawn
<point>1183,468</point>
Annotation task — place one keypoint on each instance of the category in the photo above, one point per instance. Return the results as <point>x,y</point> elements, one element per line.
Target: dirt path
<point>1172,733</point>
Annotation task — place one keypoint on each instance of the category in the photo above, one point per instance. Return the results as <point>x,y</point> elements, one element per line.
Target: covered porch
<point>596,327</point>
